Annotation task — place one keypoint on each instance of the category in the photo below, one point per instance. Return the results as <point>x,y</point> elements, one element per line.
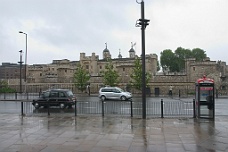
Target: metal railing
<point>162,109</point>
<point>18,96</point>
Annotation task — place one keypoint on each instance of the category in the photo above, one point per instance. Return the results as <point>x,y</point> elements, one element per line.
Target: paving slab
<point>111,134</point>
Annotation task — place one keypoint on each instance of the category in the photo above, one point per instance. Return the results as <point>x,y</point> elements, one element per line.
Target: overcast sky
<point>62,29</point>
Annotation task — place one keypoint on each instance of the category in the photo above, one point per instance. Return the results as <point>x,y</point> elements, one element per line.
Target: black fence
<point>18,96</point>
<point>165,108</point>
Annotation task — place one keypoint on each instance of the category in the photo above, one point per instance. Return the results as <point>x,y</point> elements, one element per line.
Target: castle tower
<point>119,56</point>
<point>132,51</point>
<point>106,53</point>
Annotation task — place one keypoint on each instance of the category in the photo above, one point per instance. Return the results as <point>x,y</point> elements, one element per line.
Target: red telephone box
<point>204,97</point>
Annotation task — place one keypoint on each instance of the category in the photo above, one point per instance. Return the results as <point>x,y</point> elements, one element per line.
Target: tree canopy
<point>4,88</point>
<point>81,78</point>
<point>110,75</point>
<point>136,75</point>
<point>175,61</point>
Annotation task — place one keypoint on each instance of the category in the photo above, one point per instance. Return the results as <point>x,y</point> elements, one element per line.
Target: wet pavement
<point>59,133</point>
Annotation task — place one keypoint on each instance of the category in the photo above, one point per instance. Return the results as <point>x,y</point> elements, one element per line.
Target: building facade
<point>10,71</point>
<point>60,73</point>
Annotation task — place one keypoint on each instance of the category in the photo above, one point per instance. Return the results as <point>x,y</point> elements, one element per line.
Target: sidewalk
<point>111,134</point>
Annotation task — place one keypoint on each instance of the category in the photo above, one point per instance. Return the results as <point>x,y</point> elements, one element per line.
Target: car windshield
<point>119,89</point>
<point>70,93</point>
<point>45,94</point>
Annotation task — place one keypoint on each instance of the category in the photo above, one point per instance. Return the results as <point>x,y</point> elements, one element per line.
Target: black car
<point>55,97</point>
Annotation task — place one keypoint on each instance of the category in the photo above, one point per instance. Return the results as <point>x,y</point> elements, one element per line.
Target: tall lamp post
<point>143,23</point>
<point>26,51</point>
<point>20,62</point>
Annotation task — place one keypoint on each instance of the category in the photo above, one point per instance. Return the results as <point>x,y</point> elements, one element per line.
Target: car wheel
<point>103,98</point>
<point>62,105</point>
<point>36,105</point>
<point>123,98</point>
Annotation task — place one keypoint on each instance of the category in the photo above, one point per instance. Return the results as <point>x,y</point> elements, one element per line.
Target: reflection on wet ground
<point>110,134</point>
<point>53,110</point>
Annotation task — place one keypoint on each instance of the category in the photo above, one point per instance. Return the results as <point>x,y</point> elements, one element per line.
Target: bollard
<point>48,107</point>
<point>131,108</point>
<point>22,109</point>
<point>75,108</point>
<point>216,93</point>
<point>194,108</point>
<point>162,116</point>
<point>102,107</point>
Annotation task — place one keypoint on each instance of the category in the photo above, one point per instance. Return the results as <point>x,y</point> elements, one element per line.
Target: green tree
<point>175,62</point>
<point>136,75</point>
<point>81,78</point>
<point>158,66</point>
<point>4,88</point>
<point>198,54</point>
<point>168,61</point>
<point>110,75</point>
<point>182,54</point>
<point>3,84</point>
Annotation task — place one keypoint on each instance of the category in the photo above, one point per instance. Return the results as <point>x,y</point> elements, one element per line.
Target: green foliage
<point>7,90</point>
<point>110,76</point>
<point>198,54</point>
<point>3,84</point>
<point>4,88</point>
<point>181,54</point>
<point>175,62</point>
<point>81,78</point>
<point>158,66</point>
<point>167,60</point>
<point>136,76</point>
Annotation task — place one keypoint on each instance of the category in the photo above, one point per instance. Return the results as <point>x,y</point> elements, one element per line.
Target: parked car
<point>55,97</point>
<point>114,93</point>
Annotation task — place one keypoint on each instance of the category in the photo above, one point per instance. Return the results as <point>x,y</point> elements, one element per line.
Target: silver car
<point>114,93</point>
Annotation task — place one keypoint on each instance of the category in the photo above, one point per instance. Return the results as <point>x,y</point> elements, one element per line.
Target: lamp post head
<point>20,51</point>
<point>23,33</point>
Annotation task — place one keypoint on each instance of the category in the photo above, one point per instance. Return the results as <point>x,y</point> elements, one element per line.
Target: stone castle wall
<point>61,72</point>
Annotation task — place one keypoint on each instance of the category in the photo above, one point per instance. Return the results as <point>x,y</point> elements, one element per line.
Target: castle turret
<point>119,56</point>
<point>132,51</point>
<point>106,53</point>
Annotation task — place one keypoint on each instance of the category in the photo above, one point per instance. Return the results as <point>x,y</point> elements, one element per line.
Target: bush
<point>191,93</point>
<point>7,90</point>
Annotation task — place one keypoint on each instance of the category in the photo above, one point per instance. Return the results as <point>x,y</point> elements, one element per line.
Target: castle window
<point>100,67</point>
<point>40,74</point>
<point>123,69</point>
<point>87,66</point>
<point>65,71</point>
<point>194,68</point>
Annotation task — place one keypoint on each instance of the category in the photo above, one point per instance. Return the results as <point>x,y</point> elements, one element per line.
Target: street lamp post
<point>143,23</point>
<point>20,62</point>
<point>26,51</point>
